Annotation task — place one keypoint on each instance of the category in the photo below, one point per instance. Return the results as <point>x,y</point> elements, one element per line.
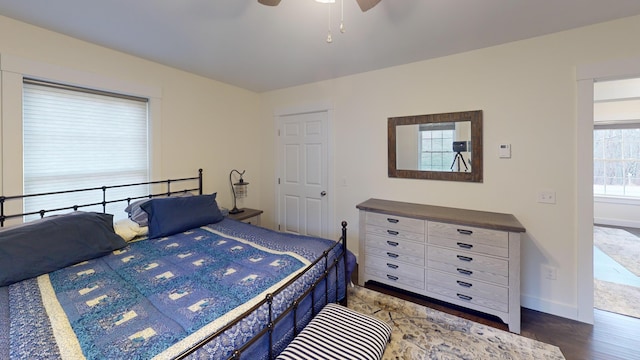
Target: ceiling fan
<point>364,4</point>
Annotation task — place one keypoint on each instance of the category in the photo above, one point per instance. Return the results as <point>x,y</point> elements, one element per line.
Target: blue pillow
<point>171,215</point>
<point>46,245</point>
<point>137,214</point>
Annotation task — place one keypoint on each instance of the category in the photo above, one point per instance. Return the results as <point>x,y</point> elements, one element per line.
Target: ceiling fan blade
<point>269,2</point>
<point>367,4</point>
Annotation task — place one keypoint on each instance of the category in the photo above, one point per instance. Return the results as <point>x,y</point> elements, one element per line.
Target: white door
<point>303,179</point>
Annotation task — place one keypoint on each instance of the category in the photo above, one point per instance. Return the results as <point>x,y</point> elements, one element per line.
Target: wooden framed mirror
<point>444,146</point>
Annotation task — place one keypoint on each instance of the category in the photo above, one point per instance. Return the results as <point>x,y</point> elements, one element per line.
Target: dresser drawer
<point>399,246</point>
<point>468,238</point>
<point>395,268</point>
<point>394,222</point>
<point>469,265</point>
<point>493,296</point>
<point>464,298</point>
<point>395,233</point>
<point>406,252</point>
<point>401,280</point>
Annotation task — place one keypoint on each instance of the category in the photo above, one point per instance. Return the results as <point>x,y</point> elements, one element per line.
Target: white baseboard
<point>617,222</point>
<point>550,307</point>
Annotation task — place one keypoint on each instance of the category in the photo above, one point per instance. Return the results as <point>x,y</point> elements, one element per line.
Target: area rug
<point>617,298</point>
<point>423,333</point>
<point>616,283</point>
<point>620,245</point>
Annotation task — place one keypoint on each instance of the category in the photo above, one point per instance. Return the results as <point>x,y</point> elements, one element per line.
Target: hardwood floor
<point>612,337</point>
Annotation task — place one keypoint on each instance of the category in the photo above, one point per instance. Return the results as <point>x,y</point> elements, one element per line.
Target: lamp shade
<point>241,188</point>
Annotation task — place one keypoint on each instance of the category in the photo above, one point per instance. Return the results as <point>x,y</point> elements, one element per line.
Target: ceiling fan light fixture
<point>364,6</point>
<point>367,4</point>
<point>269,2</point>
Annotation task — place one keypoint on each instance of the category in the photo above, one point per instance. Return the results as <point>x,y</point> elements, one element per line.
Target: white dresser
<point>464,257</point>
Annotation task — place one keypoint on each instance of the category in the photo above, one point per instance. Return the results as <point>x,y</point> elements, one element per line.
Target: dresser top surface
<point>484,219</point>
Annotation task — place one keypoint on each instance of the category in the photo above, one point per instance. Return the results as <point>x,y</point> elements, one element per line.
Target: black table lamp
<point>239,190</point>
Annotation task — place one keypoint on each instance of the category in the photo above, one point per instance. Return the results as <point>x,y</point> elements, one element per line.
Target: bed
<point>197,285</point>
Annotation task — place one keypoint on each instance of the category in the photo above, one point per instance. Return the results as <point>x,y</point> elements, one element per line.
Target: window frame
<point>614,198</point>
<point>14,69</point>
<point>441,130</point>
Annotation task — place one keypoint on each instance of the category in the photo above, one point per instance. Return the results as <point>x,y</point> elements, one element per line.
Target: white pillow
<point>129,229</point>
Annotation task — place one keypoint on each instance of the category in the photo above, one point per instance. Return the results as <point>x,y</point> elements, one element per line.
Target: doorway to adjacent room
<point>616,190</point>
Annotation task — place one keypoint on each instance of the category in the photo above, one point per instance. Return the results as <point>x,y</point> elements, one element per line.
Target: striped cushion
<point>337,332</point>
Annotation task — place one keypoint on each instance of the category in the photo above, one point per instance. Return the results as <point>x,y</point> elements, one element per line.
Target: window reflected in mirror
<point>434,146</point>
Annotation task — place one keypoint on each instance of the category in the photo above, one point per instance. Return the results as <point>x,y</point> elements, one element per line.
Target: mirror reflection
<point>445,146</point>
<point>434,146</point>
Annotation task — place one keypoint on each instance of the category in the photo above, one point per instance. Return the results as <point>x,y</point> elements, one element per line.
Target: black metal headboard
<point>104,202</point>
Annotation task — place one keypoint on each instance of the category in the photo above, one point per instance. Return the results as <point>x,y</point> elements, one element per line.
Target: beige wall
<point>527,90</point>
<point>204,123</point>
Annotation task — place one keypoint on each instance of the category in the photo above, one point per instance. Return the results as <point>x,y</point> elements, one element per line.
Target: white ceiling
<point>263,48</point>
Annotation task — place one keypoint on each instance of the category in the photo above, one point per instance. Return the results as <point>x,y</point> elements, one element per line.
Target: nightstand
<point>249,216</point>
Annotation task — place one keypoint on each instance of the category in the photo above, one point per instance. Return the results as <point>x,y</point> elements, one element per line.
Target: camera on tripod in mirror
<point>461,146</point>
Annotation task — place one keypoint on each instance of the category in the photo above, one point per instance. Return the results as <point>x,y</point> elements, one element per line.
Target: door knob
<point>324,193</point>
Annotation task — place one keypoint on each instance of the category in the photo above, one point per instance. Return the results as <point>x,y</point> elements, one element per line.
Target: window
<point>616,140</point>
<point>617,160</point>
<point>435,146</point>
<point>80,138</point>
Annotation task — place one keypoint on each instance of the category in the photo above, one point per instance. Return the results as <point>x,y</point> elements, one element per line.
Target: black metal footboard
<point>330,267</point>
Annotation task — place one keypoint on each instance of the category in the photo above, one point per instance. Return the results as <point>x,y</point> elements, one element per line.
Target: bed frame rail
<point>104,202</point>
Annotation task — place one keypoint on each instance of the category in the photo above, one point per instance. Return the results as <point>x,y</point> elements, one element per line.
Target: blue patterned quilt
<point>155,298</point>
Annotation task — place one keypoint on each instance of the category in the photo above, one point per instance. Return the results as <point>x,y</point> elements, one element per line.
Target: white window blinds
<point>81,138</point>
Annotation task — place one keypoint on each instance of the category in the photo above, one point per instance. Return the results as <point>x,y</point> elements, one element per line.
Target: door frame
<point>586,75</point>
<point>330,229</point>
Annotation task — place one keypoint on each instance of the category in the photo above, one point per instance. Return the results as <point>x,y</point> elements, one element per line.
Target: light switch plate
<point>547,196</point>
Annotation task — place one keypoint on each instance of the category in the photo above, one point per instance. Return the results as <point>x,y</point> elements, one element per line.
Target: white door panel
<point>314,217</point>
<point>314,165</point>
<point>292,214</point>
<point>292,164</point>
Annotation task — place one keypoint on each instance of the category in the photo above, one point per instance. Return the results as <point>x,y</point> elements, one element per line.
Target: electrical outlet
<point>550,272</point>
<point>547,196</point>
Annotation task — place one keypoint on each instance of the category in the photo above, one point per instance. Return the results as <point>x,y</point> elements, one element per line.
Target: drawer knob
<point>463,258</point>
<point>391,232</point>
<point>465,232</point>
<point>392,243</point>
<point>393,266</point>
<point>391,277</point>
<point>393,221</point>
<point>464,284</point>
<point>390,254</point>
<point>463,297</point>
<point>464,245</point>
<point>464,271</point>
